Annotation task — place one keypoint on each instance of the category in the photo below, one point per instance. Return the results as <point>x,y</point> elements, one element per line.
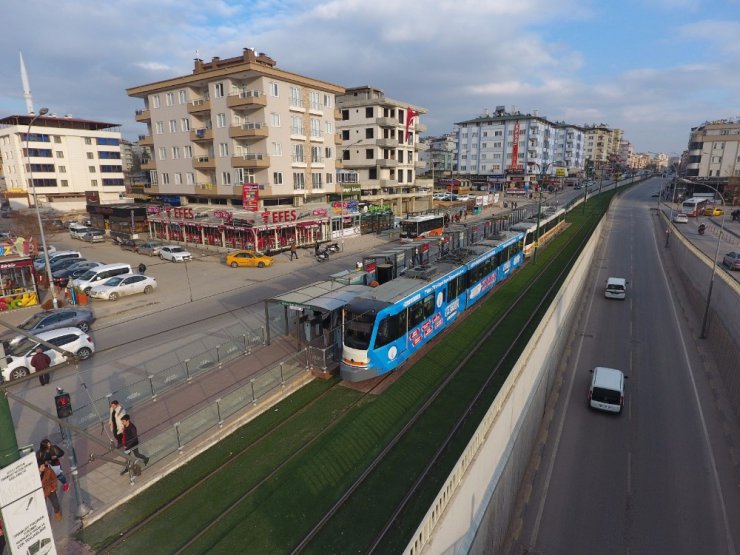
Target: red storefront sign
<point>279,216</point>
<point>250,196</point>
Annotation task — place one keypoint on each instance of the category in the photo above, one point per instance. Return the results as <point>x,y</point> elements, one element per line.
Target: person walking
<point>49,485</point>
<point>316,249</point>
<point>130,440</point>
<point>293,252</point>
<point>49,454</point>
<point>117,412</point>
<point>142,268</point>
<point>41,361</point>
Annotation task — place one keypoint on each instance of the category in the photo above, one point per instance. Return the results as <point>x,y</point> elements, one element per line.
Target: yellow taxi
<point>248,259</point>
<point>711,211</point>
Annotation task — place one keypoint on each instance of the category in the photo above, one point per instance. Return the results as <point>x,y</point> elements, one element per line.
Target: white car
<point>18,359</point>
<point>680,218</point>
<point>173,253</point>
<point>126,284</point>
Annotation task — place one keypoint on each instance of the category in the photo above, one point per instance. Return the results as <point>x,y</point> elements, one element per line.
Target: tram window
<point>452,290</point>
<point>462,282</point>
<point>416,314</point>
<point>387,331</point>
<point>402,329</point>
<point>428,306</point>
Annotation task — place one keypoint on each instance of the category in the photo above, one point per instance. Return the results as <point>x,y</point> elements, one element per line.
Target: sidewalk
<point>104,489</point>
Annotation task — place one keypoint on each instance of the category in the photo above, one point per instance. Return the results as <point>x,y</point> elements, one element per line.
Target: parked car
<point>76,231</point>
<point>174,253</point>
<point>680,218</point>
<point>150,248</point>
<point>18,359</point>
<point>62,277</point>
<point>120,286</point>
<point>62,263</point>
<point>93,236</point>
<point>39,263</point>
<point>732,260</point>
<point>248,259</point>
<point>713,211</point>
<point>131,244</point>
<point>46,320</point>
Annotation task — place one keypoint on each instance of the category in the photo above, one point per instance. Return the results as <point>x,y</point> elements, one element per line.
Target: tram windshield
<point>357,330</point>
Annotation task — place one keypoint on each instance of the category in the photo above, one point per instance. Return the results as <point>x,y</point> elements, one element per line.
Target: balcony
<point>387,143</point>
<point>420,147</point>
<point>247,99</point>
<point>251,161</point>
<point>204,188</point>
<point>146,166</point>
<point>387,122</point>
<point>421,128</point>
<point>204,163</point>
<point>151,190</point>
<point>143,115</point>
<point>249,131</point>
<point>202,134</point>
<point>386,163</point>
<point>338,139</point>
<point>199,106</point>
<point>420,165</point>
<point>146,140</point>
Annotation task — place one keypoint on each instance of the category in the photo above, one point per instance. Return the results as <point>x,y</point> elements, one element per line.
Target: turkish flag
<point>410,114</point>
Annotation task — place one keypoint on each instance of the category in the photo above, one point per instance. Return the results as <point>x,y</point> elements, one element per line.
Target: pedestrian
<point>115,421</point>
<point>49,485</point>
<point>142,268</point>
<point>316,249</point>
<point>293,251</point>
<point>41,361</point>
<point>49,454</point>
<point>130,440</point>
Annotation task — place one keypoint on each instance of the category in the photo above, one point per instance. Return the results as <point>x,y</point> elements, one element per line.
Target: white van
<point>607,389</point>
<point>97,275</point>
<point>616,288</point>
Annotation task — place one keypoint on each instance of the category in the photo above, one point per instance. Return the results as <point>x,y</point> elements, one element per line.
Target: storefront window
<point>17,286</point>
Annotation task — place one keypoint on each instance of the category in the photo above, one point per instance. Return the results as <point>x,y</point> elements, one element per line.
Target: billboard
<point>250,197</point>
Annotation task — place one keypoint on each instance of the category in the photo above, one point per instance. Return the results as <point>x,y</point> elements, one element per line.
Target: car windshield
<point>22,347</point>
<point>608,396</point>
<point>87,275</point>
<point>113,281</point>
<point>177,249</point>
<point>32,321</point>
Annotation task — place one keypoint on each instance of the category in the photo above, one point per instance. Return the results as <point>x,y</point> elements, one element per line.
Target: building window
<point>316,180</point>
<point>159,128</point>
<point>296,125</point>
<point>155,101</point>
<point>297,153</point>
<point>187,151</point>
<point>275,118</point>
<point>162,153</point>
<point>369,154</point>
<point>91,169</point>
<point>328,101</point>
<point>329,127</point>
<point>190,178</point>
<point>165,179</point>
<point>226,178</point>
<point>277,178</point>
<point>57,139</point>
<point>169,99</point>
<point>218,90</point>
<point>173,126</point>
<point>88,141</point>
<point>223,150</point>
<point>220,120</point>
<point>277,149</point>
<point>90,156</point>
<point>185,124</point>
<point>315,128</point>
<point>400,177</point>
<point>410,176</point>
<point>327,153</point>
<point>178,179</point>
<point>60,154</point>
<point>295,97</point>
<point>369,133</point>
<point>345,134</point>
<point>175,152</point>
<point>329,178</point>
<point>65,183</point>
<point>369,112</point>
<point>62,169</point>
<point>299,181</point>
<point>182,96</point>
<point>245,175</point>
<point>316,154</point>
<point>93,182</point>
<point>345,115</point>
<point>274,90</point>
<point>314,98</point>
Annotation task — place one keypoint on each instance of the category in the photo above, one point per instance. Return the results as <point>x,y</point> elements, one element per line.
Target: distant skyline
<point>654,68</point>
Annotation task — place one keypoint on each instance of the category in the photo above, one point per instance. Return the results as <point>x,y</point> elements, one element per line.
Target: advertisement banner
<point>23,507</point>
<point>250,196</point>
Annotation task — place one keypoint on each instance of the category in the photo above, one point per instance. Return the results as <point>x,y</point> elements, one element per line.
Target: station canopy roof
<point>322,295</point>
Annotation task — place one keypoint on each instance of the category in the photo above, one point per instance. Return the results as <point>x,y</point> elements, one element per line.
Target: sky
<point>654,68</point>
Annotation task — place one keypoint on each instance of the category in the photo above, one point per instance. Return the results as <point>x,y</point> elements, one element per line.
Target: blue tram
<point>385,326</point>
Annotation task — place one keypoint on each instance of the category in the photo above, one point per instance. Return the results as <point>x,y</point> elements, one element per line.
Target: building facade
<point>63,158</point>
<point>240,121</point>
<point>714,150</point>
<point>380,142</point>
<point>518,147</point>
<point>440,156</point>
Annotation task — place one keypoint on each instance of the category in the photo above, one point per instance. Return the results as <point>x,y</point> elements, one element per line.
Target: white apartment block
<point>380,142</point>
<point>485,145</point>
<point>235,121</point>
<point>65,156</point>
<point>439,157</point>
<point>714,149</point>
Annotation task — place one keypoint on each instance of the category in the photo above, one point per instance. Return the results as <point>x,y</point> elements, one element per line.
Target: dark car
<point>57,318</point>
<point>63,263</point>
<point>62,277</point>
<point>131,244</point>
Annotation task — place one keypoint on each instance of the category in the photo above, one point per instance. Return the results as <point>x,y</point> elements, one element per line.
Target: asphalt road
<point>659,478</point>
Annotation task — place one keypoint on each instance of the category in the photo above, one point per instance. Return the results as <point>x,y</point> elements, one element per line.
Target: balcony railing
<point>296,103</point>
<point>204,162</point>
<point>199,105</point>
<point>387,122</point>
<point>247,98</point>
<point>387,163</point>
<point>251,160</point>
<point>143,115</point>
<point>202,134</point>
<point>249,130</point>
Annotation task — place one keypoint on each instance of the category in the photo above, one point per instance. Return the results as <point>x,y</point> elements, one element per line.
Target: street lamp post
<point>543,172</point>
<point>42,112</point>
<point>704,322</point>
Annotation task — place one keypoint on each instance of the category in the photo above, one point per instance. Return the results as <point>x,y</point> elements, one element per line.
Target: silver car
<point>81,318</point>
<point>150,248</point>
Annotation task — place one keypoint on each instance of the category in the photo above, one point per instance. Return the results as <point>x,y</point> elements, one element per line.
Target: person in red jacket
<point>49,485</point>
<point>41,361</point>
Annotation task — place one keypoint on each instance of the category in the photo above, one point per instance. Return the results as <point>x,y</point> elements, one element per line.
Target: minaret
<point>26,87</point>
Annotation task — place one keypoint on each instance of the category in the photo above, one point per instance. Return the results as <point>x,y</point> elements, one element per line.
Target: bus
<point>419,227</point>
<point>694,206</point>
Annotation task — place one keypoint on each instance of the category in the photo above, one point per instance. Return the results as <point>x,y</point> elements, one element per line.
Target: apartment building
<point>239,121</point>
<point>487,145</point>
<point>380,141</point>
<point>601,144</point>
<point>66,157</point>
<point>439,157</point>
<point>714,150</point>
